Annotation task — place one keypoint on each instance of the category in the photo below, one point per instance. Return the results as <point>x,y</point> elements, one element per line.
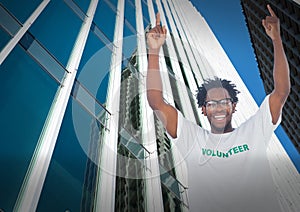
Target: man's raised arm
<point>281,68</point>
<point>166,113</point>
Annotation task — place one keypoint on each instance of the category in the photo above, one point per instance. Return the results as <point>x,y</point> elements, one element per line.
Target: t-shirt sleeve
<point>262,123</point>
<point>187,132</point>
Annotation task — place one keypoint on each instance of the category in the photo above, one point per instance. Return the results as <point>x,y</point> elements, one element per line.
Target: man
<point>228,168</point>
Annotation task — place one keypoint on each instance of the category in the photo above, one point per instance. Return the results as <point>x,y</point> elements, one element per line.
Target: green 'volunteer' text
<point>232,151</point>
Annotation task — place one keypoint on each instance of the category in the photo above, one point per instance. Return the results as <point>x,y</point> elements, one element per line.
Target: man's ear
<point>204,111</point>
<point>233,107</point>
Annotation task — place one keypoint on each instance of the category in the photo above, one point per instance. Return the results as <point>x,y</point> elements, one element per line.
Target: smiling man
<point>218,98</point>
<point>227,168</point>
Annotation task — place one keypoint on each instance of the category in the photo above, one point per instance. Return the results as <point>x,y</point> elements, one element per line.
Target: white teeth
<point>220,117</point>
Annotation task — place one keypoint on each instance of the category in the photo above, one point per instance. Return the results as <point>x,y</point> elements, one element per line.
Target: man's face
<point>219,109</point>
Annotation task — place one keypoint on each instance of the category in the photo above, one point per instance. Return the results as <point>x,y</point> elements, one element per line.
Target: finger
<point>157,30</point>
<point>271,11</point>
<point>264,23</point>
<point>164,30</point>
<point>157,22</point>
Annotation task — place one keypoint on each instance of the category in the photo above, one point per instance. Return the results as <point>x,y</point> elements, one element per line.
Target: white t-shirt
<point>229,172</point>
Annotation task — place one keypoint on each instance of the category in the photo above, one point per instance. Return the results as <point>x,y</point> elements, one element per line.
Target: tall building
<point>288,12</point>
<point>77,133</point>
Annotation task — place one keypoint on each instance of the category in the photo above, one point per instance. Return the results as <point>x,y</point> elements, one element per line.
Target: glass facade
<point>27,93</point>
<point>65,187</point>
<point>110,150</point>
<point>32,73</point>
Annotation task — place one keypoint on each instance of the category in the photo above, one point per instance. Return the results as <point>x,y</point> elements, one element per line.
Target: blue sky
<point>228,23</point>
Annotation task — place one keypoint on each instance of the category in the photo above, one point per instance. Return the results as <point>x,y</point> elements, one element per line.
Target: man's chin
<point>218,130</point>
<point>219,126</point>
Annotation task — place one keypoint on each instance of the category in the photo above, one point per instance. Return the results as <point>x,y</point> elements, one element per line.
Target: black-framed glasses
<point>213,104</point>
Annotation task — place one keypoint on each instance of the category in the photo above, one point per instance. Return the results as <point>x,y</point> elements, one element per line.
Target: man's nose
<point>219,107</point>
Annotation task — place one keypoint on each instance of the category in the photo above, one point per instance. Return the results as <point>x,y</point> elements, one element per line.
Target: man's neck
<point>228,129</point>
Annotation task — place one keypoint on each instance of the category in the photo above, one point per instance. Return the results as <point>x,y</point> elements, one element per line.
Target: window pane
<point>43,57</point>
<point>57,28</point>
<point>130,21</point>
<point>90,103</point>
<point>24,8</point>
<point>145,13</point>
<point>83,4</point>
<point>93,45</point>
<point>80,12</point>
<point>4,39</point>
<point>94,67</point>
<point>26,94</point>
<point>105,17</point>
<point>8,22</point>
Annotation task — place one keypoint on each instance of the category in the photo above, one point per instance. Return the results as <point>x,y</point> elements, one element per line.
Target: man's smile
<point>219,117</point>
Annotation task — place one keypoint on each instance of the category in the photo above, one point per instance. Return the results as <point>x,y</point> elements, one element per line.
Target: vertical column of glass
<point>194,39</point>
<point>17,37</point>
<point>32,186</point>
<point>185,41</point>
<point>174,65</point>
<point>186,58</point>
<point>180,43</point>
<point>185,76</point>
<point>105,194</point>
<point>152,177</point>
<point>184,48</point>
<point>195,53</point>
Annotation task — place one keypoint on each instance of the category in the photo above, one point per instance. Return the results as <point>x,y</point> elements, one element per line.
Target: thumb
<point>264,23</point>
<point>164,29</point>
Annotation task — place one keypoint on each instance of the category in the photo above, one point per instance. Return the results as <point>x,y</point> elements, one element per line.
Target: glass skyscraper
<point>77,133</point>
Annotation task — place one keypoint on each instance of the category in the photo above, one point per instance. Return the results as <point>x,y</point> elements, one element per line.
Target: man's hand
<point>156,36</point>
<point>272,25</point>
